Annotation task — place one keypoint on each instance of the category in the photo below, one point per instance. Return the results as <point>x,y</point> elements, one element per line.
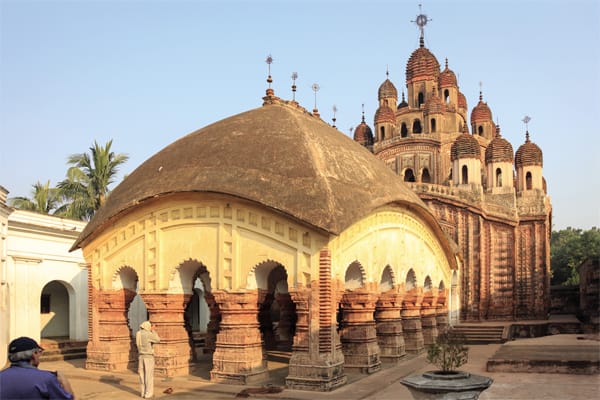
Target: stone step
<point>481,334</point>
<point>62,349</point>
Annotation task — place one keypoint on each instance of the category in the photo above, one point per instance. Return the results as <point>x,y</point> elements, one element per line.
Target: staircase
<point>482,334</point>
<point>57,349</point>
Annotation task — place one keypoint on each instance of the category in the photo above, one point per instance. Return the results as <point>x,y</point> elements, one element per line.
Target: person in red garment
<point>23,379</point>
<point>144,340</point>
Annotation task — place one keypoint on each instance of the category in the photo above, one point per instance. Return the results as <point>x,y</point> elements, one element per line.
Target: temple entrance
<point>55,311</point>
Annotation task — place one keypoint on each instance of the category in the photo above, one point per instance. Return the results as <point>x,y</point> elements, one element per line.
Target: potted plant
<point>448,352</point>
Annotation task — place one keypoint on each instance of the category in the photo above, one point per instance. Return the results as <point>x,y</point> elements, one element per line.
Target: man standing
<point>23,379</point>
<point>144,340</point>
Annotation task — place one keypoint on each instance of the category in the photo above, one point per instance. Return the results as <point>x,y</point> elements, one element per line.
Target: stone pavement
<point>384,385</point>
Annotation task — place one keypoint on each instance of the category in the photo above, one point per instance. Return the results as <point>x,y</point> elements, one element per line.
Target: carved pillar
<point>287,316</point>
<point>111,347</point>
<point>358,333</point>
<point>265,301</point>
<point>411,321</point>
<point>173,354</point>
<point>213,323</point>
<point>317,362</point>
<point>238,357</point>
<point>428,317</point>
<point>441,312</point>
<point>389,327</point>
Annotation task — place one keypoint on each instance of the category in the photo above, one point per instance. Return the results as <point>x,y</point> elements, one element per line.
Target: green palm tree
<point>44,200</point>
<point>88,179</point>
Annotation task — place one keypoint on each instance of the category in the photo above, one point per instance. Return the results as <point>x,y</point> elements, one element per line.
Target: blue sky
<point>145,73</point>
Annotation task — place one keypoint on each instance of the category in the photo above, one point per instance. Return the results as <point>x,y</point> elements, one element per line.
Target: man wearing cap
<point>23,379</point>
<point>145,339</point>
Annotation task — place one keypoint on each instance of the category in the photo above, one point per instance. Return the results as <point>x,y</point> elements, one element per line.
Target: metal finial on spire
<point>526,120</point>
<point>294,77</point>
<point>351,130</point>
<point>334,111</point>
<point>480,91</point>
<point>363,112</point>
<point>269,61</point>
<point>315,88</point>
<point>387,71</point>
<point>421,21</point>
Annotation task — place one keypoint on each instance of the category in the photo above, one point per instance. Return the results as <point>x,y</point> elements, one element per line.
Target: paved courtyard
<point>384,385</point>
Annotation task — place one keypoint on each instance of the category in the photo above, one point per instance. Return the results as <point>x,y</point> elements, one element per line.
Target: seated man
<point>23,379</point>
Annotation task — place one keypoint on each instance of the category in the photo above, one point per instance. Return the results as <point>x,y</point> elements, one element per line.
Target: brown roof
<point>385,114</point>
<point>447,78</point>
<point>277,155</point>
<point>363,134</point>
<point>422,65</point>
<point>499,149</point>
<point>465,146</point>
<point>387,90</point>
<point>528,154</point>
<point>481,112</point>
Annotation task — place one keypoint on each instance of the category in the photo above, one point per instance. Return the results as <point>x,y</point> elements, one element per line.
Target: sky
<point>145,73</point>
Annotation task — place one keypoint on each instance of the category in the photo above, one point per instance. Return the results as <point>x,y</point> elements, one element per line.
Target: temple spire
<point>421,21</point>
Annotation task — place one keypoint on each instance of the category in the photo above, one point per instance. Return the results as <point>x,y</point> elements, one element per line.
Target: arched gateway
<point>296,237</point>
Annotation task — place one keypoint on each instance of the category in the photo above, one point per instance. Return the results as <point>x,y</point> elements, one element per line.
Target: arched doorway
<point>55,311</point>
<point>277,312</point>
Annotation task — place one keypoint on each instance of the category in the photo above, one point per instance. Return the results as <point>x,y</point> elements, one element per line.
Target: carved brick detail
<point>411,321</point>
<point>173,354</point>
<point>358,333</point>
<point>238,357</point>
<point>390,337</point>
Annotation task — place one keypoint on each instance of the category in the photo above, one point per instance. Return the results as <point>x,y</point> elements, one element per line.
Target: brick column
<point>441,312</point>
<point>358,333</point>
<point>411,321</point>
<point>389,327</point>
<point>428,317</point>
<point>317,362</point>
<point>173,354</point>
<point>111,347</point>
<point>238,357</point>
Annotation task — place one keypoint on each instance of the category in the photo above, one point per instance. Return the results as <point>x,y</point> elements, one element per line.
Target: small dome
<point>435,104</point>
<point>447,78</point>
<point>481,112</point>
<point>465,146</point>
<point>385,114</point>
<point>363,134</point>
<point>403,103</point>
<point>528,154</point>
<point>388,90</point>
<point>462,100</point>
<point>422,65</point>
<point>499,149</point>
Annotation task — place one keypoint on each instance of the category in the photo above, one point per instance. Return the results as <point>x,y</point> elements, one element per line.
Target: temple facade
<point>490,201</point>
<point>286,235</point>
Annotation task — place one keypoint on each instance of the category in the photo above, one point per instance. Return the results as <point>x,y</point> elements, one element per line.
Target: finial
<point>269,61</point>
<point>387,71</point>
<point>334,111</point>
<point>351,130</point>
<point>421,21</point>
<point>497,129</point>
<point>526,120</point>
<point>480,91</point>
<point>403,99</point>
<point>294,77</point>
<point>315,88</point>
<point>363,113</point>
<point>446,62</point>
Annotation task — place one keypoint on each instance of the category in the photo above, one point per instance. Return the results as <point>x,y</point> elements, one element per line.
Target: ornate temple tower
<point>491,202</point>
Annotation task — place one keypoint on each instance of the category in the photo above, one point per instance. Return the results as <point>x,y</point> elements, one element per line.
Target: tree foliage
<point>44,199</point>
<point>84,189</point>
<point>568,249</point>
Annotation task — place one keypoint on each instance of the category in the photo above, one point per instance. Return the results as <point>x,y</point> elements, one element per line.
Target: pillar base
<point>303,375</point>
<point>240,378</point>
<point>110,357</point>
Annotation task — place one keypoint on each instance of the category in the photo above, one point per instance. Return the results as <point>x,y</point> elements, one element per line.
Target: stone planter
<point>451,385</point>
